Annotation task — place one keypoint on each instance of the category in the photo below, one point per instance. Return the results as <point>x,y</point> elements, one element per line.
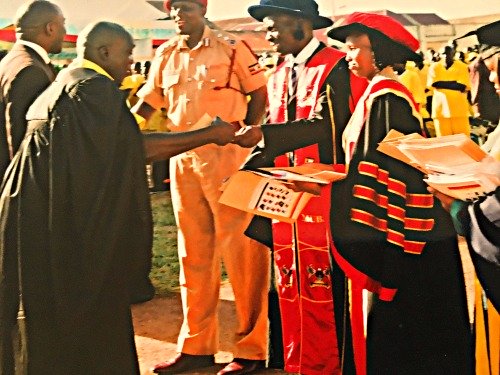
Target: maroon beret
<point>167,4</point>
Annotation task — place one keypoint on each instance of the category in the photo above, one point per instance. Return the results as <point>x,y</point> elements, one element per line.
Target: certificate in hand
<point>453,164</point>
<point>267,191</point>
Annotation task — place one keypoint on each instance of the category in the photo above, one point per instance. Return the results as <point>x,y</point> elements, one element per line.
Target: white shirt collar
<point>38,49</point>
<point>386,73</point>
<point>305,54</point>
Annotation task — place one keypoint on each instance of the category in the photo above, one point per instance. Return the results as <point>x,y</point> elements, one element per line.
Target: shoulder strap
<point>231,43</point>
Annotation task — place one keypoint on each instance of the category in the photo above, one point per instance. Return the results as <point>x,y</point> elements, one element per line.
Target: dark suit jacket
<point>23,77</point>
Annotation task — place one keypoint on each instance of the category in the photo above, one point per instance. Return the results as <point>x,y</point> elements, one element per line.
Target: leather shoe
<point>242,366</point>
<point>183,363</point>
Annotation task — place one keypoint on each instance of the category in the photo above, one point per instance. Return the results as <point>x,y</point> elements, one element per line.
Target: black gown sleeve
<point>484,244</point>
<point>282,138</point>
<point>289,136</point>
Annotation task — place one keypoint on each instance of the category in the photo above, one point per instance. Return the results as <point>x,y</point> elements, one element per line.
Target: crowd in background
<point>368,280</point>
<point>482,107</point>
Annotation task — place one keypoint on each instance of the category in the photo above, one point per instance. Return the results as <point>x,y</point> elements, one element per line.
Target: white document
<point>454,164</point>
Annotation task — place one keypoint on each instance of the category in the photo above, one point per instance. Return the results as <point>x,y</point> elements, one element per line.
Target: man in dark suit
<point>26,70</point>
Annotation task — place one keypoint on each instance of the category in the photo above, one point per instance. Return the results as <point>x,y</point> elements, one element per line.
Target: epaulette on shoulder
<point>227,38</point>
<point>167,46</point>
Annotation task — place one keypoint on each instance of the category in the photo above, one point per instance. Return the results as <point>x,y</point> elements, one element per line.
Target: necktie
<point>292,103</point>
<point>292,90</point>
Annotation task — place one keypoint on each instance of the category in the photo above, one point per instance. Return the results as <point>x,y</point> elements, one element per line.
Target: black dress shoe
<point>243,366</point>
<point>184,363</point>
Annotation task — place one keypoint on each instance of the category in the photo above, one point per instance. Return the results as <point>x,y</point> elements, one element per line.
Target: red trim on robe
<point>312,310</point>
<point>420,200</point>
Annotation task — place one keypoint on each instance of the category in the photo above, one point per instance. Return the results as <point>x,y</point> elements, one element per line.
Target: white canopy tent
<point>78,13</point>
<point>141,19</point>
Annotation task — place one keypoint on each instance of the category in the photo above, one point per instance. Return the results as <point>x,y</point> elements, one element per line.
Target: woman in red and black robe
<point>396,245</point>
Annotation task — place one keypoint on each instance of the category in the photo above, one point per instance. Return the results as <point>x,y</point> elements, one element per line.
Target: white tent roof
<point>78,13</point>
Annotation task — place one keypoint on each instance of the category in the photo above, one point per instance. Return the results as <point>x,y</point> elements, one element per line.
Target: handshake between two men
<point>161,146</point>
<point>235,132</point>
<point>250,136</point>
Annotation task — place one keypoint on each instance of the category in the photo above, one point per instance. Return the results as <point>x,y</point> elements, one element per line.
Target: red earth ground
<point>157,324</point>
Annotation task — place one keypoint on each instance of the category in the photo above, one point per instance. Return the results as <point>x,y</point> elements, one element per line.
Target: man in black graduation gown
<point>292,90</point>
<point>74,208</point>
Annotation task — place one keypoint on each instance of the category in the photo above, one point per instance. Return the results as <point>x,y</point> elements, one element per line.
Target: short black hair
<point>35,14</point>
<point>99,34</point>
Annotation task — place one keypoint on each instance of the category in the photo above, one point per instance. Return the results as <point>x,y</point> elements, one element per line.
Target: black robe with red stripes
<point>423,328</point>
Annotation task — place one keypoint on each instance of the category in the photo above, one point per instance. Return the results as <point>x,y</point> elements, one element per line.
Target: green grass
<point>165,271</point>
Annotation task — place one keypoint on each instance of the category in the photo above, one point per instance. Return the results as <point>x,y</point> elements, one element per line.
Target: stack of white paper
<point>453,164</point>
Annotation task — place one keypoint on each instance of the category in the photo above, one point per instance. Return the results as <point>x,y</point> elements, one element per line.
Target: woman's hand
<point>446,200</point>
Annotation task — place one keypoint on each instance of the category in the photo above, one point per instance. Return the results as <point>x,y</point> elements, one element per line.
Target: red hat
<point>385,29</point>
<point>167,4</point>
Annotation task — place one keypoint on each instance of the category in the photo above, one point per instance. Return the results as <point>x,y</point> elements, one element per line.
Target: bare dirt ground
<point>157,324</point>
